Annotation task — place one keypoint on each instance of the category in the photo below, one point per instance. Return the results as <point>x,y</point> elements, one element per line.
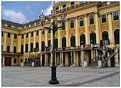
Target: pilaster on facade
<point>4,44</point>
<point>12,44</point>
<point>67,32</point>
<point>24,42</point>
<point>19,43</point>
<point>77,31</point>
<point>59,37</point>
<point>111,36</point>
<point>97,25</point>
<point>40,40</point>
<point>46,38</point>
<point>51,37</point>
<point>34,37</point>
<point>29,35</point>
<point>86,22</point>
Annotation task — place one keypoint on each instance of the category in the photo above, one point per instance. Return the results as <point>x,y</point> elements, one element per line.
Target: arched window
<point>43,45</point>
<point>55,43</point>
<point>37,45</point>
<point>26,47</point>
<point>105,35</point>
<point>22,48</point>
<point>82,39</point>
<point>73,41</point>
<point>21,60</point>
<point>14,60</point>
<point>93,38</point>
<point>72,23</point>
<point>49,43</point>
<point>31,47</point>
<point>116,36</point>
<point>63,42</point>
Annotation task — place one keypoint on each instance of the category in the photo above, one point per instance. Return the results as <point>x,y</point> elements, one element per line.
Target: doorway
<point>7,61</point>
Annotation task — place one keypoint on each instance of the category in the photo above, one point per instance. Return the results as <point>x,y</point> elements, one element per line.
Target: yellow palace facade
<point>88,25</point>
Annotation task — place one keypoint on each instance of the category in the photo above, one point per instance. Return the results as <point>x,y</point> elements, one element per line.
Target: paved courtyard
<point>67,76</point>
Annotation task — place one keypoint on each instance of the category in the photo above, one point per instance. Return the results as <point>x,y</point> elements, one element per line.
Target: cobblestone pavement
<point>67,76</point>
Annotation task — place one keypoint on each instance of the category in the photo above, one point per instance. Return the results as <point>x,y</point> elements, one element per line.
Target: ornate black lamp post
<point>54,27</point>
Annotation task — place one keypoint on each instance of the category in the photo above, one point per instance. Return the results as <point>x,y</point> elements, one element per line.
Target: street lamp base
<point>53,82</point>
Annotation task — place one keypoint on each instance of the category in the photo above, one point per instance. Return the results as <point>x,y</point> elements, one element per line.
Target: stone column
<point>4,42</point>
<point>77,31</point>
<point>99,63</point>
<point>66,59</point>
<point>71,58</point>
<point>40,60</point>
<point>74,59</point>
<point>116,59</point>
<point>12,62</point>
<point>97,53</point>
<point>109,62</point>
<point>46,60</point>
<point>82,57</point>
<point>3,61</point>
<point>61,58</point>
<point>111,34</point>
<point>67,33</point>
<point>86,22</point>
<point>22,64</point>
<point>97,27</point>
<point>12,44</point>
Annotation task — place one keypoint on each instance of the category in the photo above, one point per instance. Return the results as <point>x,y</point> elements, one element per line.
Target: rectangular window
<point>2,33</point>
<point>8,35</point>
<point>37,32</point>
<point>26,35</point>
<point>81,3</point>
<point>64,7</point>
<point>31,34</point>
<point>57,9</point>
<point>91,19</point>
<point>22,36</point>
<point>49,31</point>
<point>72,5</point>
<point>72,23</point>
<point>8,48</point>
<point>63,25</point>
<point>115,16</point>
<point>103,18</point>
<point>81,22</point>
<point>43,32</point>
<point>15,36</point>
<point>14,49</point>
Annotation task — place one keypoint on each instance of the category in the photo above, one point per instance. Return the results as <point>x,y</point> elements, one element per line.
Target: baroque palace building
<point>91,29</point>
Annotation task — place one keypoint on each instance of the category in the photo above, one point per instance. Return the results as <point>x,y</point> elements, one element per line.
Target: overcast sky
<point>22,12</point>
